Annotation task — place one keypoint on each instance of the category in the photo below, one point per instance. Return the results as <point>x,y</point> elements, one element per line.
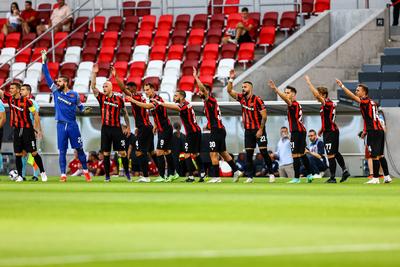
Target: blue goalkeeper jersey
<point>66,104</point>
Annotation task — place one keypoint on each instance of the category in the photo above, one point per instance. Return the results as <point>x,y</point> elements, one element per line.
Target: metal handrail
<point>51,49</point>
<point>40,36</point>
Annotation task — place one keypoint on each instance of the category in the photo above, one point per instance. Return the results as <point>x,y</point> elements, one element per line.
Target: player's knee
<point>331,156</point>
<point>106,153</point>
<point>159,152</point>
<point>18,154</point>
<point>122,154</point>
<point>138,153</point>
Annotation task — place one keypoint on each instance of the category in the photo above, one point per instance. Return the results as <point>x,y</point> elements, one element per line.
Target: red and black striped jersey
<point>251,111</point>
<point>160,114</point>
<point>110,109</point>
<point>140,114</point>
<point>328,116</point>
<point>295,117</point>
<point>20,109</point>
<point>188,118</point>
<point>213,113</point>
<point>369,111</point>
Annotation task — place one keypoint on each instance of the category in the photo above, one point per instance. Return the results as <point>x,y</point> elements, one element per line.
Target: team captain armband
<point>32,109</point>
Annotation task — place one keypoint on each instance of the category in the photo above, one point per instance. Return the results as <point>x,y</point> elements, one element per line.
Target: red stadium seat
<point>267,37</point>
<point>4,71</point>
<point>137,80</point>
<point>37,53</point>
<point>231,9</point>
<point>246,53</point>
<point>186,83</point>
<point>76,39</point>
<point>215,10</point>
<point>124,53</point>
<point>43,87</point>
<point>44,12</point>
<point>196,37</point>
<point>210,52</point>
<point>217,21</point>
<point>161,37</point>
<point>13,39</point>
<point>288,20</point>
<point>207,80</point>
<point>307,6</point>
<point>115,86</point>
<point>199,21</point>
<point>214,36</point>
<point>26,39</point>
<point>98,24</point>
<point>121,67</point>
<point>106,54</point>
<point>25,56</point>
<point>179,37</point>
<point>104,69</point>
<point>110,39</point>
<point>158,52</point>
<point>2,38</point>
<point>127,38</point>
<point>187,68</point>
<point>128,8</point>
<point>137,69</point>
<point>148,23</point>
<point>131,24</point>
<point>93,39</point>
<point>207,68</point>
<point>193,52</point>
<point>270,19</point>
<point>2,22</point>
<point>59,36</point>
<point>68,70</point>
<point>228,51</point>
<point>114,23</point>
<point>79,21</point>
<point>233,20</point>
<point>255,16</point>
<point>54,68</point>
<point>144,8</point>
<point>165,22</point>
<point>182,22</point>
<point>58,54</point>
<point>144,38</point>
<point>45,41</point>
<point>175,52</point>
<point>322,5</point>
<point>155,81</point>
<point>89,54</point>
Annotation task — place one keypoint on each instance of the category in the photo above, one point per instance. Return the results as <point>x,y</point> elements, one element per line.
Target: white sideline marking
<point>205,254</point>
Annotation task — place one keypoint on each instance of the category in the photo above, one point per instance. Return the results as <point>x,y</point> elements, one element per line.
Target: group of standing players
<point>254,116</point>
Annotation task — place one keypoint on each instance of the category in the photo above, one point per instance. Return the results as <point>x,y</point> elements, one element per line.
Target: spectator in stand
<point>316,155</point>
<point>75,166</point>
<point>259,166</point>
<point>284,155</point>
<point>100,168</point>
<point>14,20</point>
<point>396,12</point>
<point>275,164</point>
<point>244,31</point>
<point>93,163</point>
<point>29,18</point>
<point>178,148</point>
<point>61,13</point>
<point>241,162</point>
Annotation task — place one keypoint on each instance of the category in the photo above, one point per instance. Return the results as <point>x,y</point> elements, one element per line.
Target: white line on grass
<point>206,254</point>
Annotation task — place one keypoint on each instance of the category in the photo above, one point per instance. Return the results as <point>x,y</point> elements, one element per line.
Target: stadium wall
<point>392,118</point>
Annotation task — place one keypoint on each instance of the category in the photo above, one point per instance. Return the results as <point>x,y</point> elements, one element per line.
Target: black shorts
<point>24,139</point>
<point>251,140</point>
<point>331,141</point>
<point>376,143</point>
<point>165,139</point>
<point>217,140</point>
<point>298,142</point>
<point>193,142</point>
<point>145,139</point>
<point>245,38</point>
<point>112,136</point>
<point>1,137</point>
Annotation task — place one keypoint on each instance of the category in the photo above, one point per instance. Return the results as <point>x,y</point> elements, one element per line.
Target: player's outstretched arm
<point>313,90</point>
<point>348,92</point>
<point>120,82</point>
<point>140,104</point>
<point>199,83</point>
<point>172,106</point>
<point>278,92</point>
<point>231,92</point>
<point>46,72</point>
<point>93,80</point>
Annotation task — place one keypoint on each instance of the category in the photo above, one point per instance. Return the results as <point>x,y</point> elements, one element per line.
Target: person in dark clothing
<point>205,153</point>
<point>241,162</point>
<point>396,12</point>
<point>135,168</point>
<point>178,147</point>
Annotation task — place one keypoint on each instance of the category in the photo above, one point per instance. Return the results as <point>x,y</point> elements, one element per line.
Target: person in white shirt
<point>13,20</point>
<point>284,154</point>
<point>59,14</point>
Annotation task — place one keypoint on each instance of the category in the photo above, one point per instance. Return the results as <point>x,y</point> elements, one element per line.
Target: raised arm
<point>231,92</point>
<point>200,84</point>
<point>120,82</point>
<point>278,92</point>
<point>348,92</point>
<point>314,91</point>
<point>93,80</point>
<point>172,106</point>
<point>140,104</point>
<point>46,72</point>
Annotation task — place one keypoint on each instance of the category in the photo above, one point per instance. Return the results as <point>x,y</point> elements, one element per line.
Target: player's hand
<point>129,98</point>
<point>154,130</point>
<point>39,135</point>
<point>339,82</point>
<point>157,102</point>
<point>363,135</point>
<point>272,85</point>
<point>307,151</point>
<point>95,68</point>
<point>113,71</point>
<point>232,74</point>
<point>136,131</point>
<point>44,56</point>
<point>127,132</point>
<point>320,132</point>
<point>87,110</point>
<point>194,72</point>
<point>259,133</point>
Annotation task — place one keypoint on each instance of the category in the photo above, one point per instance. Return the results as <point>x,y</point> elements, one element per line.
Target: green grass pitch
<point>177,224</point>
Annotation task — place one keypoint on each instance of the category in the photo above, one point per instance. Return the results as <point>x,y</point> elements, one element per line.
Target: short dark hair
<point>207,87</point>
<point>18,85</point>
<point>292,89</point>
<point>364,87</point>
<point>248,82</point>
<point>284,127</point>
<point>28,2</point>
<point>323,90</point>
<point>245,9</point>
<point>133,84</point>
<point>312,131</point>
<point>27,87</point>
<point>65,78</point>
<point>149,85</point>
<point>177,126</point>
<point>182,93</point>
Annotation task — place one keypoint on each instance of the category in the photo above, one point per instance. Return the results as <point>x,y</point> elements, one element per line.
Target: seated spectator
<point>29,18</point>
<point>275,164</point>
<point>284,155</point>
<point>259,166</point>
<point>14,20</point>
<point>241,162</point>
<point>316,155</point>
<point>100,169</point>
<point>244,31</point>
<point>61,13</point>
<point>93,162</point>
<point>75,166</point>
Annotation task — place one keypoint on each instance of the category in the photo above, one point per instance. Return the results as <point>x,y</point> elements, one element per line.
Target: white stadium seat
<point>154,69</point>
<point>141,53</point>
<point>172,68</point>
<point>91,99</point>
<point>73,55</point>
<point>85,69</point>
<point>42,98</point>
<point>6,54</point>
<point>99,83</point>
<point>16,68</point>
<point>81,84</point>
<point>224,66</point>
<point>168,84</point>
<point>34,71</point>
